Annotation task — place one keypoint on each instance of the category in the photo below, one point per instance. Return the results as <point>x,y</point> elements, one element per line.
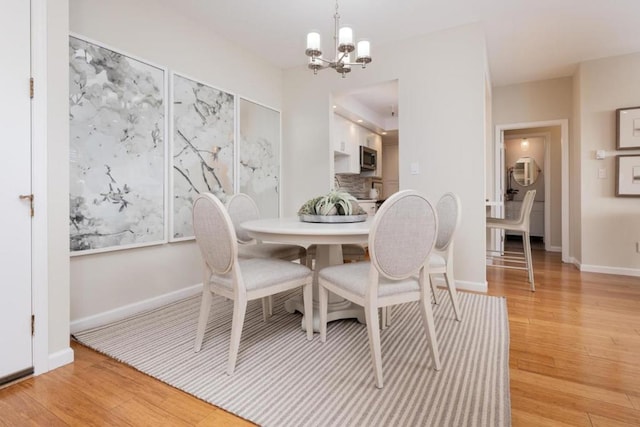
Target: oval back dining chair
<point>240,280</point>
<point>401,239</point>
<point>514,259</point>
<point>449,210</point>
<point>242,208</point>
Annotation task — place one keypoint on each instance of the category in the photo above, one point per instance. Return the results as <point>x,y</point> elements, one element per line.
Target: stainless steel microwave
<point>368,158</point>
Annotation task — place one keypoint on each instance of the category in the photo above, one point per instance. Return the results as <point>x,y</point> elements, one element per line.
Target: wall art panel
<point>259,153</point>
<point>117,150</point>
<point>202,154</point>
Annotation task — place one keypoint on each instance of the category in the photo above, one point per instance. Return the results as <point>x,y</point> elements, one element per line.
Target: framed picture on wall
<point>117,149</point>
<point>202,149</point>
<point>259,155</point>
<point>628,176</point>
<point>628,128</point>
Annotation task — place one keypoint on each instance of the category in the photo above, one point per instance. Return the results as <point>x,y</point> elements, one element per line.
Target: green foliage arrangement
<point>336,202</point>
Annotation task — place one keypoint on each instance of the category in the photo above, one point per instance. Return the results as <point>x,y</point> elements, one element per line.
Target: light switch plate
<point>415,168</point>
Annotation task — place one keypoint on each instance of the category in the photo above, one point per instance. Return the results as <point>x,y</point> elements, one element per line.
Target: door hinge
<point>33,324</point>
<point>30,198</point>
<point>31,87</point>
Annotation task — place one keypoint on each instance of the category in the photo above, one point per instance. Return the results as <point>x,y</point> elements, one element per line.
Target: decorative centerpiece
<point>335,206</point>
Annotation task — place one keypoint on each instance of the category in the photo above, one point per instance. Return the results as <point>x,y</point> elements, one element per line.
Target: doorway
<point>366,116</point>
<point>562,197</point>
<point>16,358</point>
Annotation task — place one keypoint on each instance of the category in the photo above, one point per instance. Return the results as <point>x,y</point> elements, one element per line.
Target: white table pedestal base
<point>329,238</point>
<point>338,308</point>
<point>337,311</point>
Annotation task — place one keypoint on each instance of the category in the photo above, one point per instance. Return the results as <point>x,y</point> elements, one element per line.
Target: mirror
<point>525,172</point>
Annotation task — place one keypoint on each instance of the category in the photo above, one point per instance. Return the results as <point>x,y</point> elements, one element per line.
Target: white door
<point>15,176</point>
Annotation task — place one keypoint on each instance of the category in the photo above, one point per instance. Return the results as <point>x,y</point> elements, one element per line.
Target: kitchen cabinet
<point>346,147</point>
<point>346,140</point>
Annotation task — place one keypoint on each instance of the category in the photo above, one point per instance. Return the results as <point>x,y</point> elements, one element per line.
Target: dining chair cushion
<point>260,273</point>
<point>271,250</point>
<point>354,278</point>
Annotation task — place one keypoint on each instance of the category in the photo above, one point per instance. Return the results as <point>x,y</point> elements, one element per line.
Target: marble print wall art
<point>202,153</point>
<point>259,153</point>
<point>117,150</point>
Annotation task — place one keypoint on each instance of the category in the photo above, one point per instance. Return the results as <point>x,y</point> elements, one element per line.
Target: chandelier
<point>344,46</point>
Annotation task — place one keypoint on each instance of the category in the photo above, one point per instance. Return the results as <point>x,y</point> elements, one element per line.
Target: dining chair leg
<point>429,326</point>
<point>383,318</point>
<point>239,310</point>
<point>265,308</point>
<point>453,293</point>
<point>323,297</point>
<point>434,289</point>
<point>307,297</point>
<point>205,306</point>
<point>527,253</point>
<point>371,315</point>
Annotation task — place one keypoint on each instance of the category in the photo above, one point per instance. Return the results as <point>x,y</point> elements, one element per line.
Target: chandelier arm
<point>318,58</point>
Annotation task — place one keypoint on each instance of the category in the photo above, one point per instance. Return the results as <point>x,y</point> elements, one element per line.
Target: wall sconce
<point>524,144</point>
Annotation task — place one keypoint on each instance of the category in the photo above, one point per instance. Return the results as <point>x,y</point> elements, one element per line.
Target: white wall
<point>441,80</point>
<point>610,225</point>
<point>148,30</point>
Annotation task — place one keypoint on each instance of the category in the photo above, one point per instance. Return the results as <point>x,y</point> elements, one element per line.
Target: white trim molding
<point>120,313</point>
<point>60,358</point>
<point>618,271</point>
<point>463,285</point>
<point>39,235</point>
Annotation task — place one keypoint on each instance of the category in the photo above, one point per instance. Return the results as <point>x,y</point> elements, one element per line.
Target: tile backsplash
<point>356,185</point>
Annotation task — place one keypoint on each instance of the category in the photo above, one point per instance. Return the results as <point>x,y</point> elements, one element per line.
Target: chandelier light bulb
<point>313,44</point>
<point>345,39</point>
<point>364,52</point>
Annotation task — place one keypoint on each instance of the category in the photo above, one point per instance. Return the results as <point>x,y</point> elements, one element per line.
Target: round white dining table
<point>329,238</point>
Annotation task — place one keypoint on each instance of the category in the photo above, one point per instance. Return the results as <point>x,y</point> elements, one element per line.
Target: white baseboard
<point>464,285</point>
<point>131,309</point>
<point>60,358</point>
<point>554,249</point>
<point>619,271</point>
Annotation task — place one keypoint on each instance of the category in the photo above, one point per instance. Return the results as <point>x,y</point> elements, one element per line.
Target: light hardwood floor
<point>574,357</point>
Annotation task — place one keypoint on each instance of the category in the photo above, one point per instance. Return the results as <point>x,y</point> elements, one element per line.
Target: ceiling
<point>527,40</point>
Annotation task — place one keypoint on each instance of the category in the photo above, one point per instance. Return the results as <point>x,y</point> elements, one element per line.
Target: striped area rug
<point>283,380</point>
